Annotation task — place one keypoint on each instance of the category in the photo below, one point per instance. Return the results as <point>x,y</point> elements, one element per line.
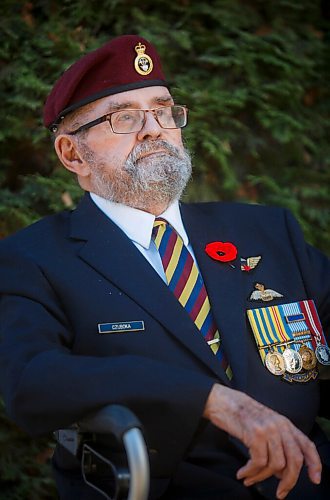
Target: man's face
<point>146,169</point>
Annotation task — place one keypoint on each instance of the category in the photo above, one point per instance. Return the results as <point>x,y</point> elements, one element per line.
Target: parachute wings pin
<point>263,293</point>
<point>250,263</point>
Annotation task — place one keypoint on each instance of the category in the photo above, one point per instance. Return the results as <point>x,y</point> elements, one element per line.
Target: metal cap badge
<point>143,63</point>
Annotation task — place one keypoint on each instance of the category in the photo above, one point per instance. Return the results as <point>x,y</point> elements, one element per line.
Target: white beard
<point>142,181</point>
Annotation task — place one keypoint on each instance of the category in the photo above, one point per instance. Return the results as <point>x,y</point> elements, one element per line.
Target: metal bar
<point>138,462</point>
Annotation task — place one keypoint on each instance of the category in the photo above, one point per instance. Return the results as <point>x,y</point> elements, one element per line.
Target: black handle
<point>115,418</point>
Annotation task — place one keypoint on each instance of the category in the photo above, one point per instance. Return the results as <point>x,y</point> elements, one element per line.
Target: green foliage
<point>254,75</point>
<point>39,196</point>
<point>24,464</point>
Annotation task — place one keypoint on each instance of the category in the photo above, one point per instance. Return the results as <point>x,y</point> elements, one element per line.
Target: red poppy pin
<point>224,251</point>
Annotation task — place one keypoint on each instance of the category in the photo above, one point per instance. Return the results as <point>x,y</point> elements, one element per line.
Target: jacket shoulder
<point>234,209</point>
<point>45,229</point>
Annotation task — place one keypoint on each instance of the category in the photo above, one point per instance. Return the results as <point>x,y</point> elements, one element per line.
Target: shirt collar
<point>137,224</point>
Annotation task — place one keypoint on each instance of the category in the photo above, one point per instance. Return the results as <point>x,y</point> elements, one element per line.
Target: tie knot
<point>159,223</point>
<point>162,232</point>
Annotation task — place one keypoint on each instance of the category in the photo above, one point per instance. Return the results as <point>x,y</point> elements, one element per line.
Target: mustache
<point>145,148</point>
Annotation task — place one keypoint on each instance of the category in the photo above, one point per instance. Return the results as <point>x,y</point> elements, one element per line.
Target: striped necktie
<point>185,281</point>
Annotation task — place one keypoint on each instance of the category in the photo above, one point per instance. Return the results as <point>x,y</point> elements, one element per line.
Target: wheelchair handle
<point>123,424</point>
<point>112,418</point>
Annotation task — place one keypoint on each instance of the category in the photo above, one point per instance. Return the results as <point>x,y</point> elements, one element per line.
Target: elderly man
<point>136,299</point>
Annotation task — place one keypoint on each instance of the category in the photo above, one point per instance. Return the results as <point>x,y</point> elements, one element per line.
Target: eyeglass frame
<point>108,116</point>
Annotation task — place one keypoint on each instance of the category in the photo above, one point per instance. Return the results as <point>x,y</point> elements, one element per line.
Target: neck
<point>152,208</point>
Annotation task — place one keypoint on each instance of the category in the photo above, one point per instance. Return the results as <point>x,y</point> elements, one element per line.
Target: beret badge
<point>143,63</point>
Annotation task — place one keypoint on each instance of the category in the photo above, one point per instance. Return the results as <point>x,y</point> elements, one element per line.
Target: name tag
<point>124,326</point>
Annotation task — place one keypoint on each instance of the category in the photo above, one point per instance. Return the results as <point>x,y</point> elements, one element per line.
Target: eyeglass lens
<point>132,120</point>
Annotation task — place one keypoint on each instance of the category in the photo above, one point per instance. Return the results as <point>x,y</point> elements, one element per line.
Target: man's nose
<point>151,128</point>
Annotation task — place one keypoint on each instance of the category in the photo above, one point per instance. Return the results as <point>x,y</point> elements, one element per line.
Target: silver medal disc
<point>292,360</point>
<point>322,353</point>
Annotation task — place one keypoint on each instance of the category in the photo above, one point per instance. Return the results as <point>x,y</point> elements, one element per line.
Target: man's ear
<point>68,153</point>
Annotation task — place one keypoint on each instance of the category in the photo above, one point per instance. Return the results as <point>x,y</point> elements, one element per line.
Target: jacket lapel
<point>108,250</point>
<point>223,282</point>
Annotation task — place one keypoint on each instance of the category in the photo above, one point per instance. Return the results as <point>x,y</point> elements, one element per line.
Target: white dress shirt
<point>138,226</point>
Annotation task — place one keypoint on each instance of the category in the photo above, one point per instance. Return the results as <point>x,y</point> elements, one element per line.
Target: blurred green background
<point>255,76</point>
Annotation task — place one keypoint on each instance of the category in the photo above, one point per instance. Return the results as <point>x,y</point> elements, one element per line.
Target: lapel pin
<point>264,294</point>
<point>223,251</point>
<point>250,263</point>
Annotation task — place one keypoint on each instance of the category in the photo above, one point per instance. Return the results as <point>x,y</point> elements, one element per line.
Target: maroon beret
<point>124,63</point>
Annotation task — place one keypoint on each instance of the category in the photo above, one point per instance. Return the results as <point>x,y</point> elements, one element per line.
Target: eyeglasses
<point>128,121</point>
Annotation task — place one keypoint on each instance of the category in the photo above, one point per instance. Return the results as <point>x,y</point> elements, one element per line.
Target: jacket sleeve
<point>46,387</point>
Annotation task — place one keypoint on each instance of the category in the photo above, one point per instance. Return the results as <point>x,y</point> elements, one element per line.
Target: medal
<point>292,360</point>
<point>323,354</point>
<point>308,357</point>
<point>322,350</point>
<point>274,362</point>
<point>289,333</point>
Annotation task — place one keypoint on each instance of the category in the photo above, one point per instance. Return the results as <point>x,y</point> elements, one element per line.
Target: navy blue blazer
<point>68,273</point>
